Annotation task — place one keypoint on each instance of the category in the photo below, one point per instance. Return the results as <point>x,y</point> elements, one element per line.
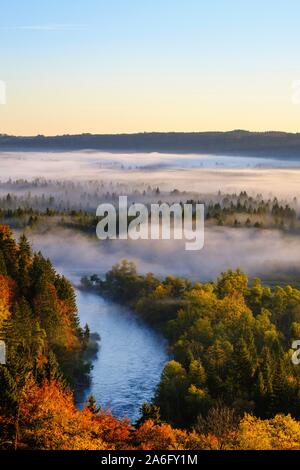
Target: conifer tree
<point>3,269</point>
<point>25,261</point>
<point>9,250</point>
<point>92,406</point>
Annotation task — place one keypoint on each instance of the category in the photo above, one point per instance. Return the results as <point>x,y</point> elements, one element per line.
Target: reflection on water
<point>130,359</point>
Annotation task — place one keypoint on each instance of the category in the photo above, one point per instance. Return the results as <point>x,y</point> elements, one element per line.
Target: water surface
<point>130,358</point>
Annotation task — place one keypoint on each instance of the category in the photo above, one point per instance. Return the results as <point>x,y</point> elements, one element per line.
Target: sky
<point>98,66</point>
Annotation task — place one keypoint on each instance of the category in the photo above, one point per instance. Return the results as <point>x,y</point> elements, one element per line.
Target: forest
<point>230,382</point>
<point>230,342</point>
<point>234,397</point>
<point>41,203</point>
<point>228,143</point>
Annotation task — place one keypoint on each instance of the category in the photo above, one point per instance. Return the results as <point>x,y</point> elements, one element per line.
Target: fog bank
<point>266,253</point>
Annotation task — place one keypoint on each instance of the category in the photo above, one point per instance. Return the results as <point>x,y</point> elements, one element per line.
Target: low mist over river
<point>264,253</point>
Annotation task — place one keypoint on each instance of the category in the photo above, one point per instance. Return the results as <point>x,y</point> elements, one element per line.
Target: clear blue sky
<point>114,66</point>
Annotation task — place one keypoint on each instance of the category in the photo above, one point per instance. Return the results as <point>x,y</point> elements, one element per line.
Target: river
<point>130,359</point>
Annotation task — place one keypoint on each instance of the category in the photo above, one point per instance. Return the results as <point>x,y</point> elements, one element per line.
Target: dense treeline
<point>40,327</point>
<point>271,144</point>
<point>40,193</point>
<point>234,210</point>
<point>245,210</point>
<point>230,341</point>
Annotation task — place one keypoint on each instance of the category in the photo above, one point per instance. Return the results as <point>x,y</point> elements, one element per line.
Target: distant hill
<point>265,144</point>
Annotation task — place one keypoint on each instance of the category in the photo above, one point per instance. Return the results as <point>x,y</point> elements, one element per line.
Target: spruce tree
<point>25,261</point>
<point>3,269</point>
